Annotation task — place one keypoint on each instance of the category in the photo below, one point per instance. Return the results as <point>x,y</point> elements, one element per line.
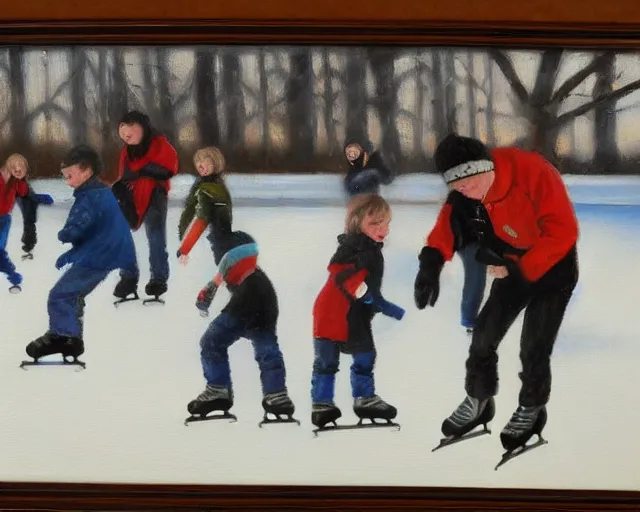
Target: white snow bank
<point>256,189</point>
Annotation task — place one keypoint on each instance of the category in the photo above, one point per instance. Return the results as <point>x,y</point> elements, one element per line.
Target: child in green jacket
<point>209,203</point>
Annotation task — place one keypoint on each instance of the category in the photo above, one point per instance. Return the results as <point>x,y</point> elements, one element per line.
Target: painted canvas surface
<point>227,179</point>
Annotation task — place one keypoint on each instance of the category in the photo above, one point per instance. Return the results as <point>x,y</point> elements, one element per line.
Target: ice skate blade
<point>82,365</point>
<point>447,441</point>
<point>510,455</point>
<point>126,299</point>
<point>357,426</point>
<point>153,300</point>
<point>27,256</point>
<point>280,418</point>
<point>194,418</point>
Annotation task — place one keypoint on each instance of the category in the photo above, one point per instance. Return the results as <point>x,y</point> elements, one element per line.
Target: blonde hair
<point>214,155</point>
<point>363,206</point>
<point>16,156</point>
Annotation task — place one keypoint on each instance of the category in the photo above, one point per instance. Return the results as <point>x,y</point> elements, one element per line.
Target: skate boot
<point>125,287</point>
<point>16,280</point>
<point>323,413</point>
<point>467,416</point>
<point>213,398</point>
<point>279,404</point>
<point>524,423</point>
<point>373,408</point>
<point>155,289</point>
<point>49,344</point>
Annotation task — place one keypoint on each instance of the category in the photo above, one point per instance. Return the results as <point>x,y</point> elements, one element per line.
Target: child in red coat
<point>344,309</point>
<point>14,186</point>
<point>527,231</point>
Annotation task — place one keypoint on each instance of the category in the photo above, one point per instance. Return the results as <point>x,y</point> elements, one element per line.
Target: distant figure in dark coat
<point>367,170</point>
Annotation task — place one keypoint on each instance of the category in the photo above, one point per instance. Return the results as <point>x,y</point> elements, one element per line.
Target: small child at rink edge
<point>252,313</point>
<point>344,309</point>
<point>14,185</point>
<point>101,242</point>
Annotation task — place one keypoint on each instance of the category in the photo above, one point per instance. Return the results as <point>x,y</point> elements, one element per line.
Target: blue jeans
<point>475,281</point>
<point>223,332</point>
<point>67,299</point>
<point>6,265</point>
<point>155,226</point>
<point>326,364</point>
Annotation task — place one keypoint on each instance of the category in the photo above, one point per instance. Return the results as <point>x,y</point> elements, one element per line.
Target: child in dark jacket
<point>14,187</point>
<point>344,309</point>
<point>101,242</point>
<point>462,213</point>
<point>252,313</point>
<point>367,170</point>
<point>208,201</point>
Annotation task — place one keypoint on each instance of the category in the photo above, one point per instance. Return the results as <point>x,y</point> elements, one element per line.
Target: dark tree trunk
<point>78,96</point>
<point>606,150</point>
<point>299,94</point>
<point>206,107</point>
<point>235,114</point>
<point>355,84</point>
<point>382,67</point>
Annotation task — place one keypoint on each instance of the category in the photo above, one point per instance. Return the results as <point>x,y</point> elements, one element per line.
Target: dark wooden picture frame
<point>534,23</point>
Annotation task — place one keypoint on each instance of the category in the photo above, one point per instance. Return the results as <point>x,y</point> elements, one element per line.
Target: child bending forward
<point>100,241</point>
<point>252,313</point>
<point>344,309</point>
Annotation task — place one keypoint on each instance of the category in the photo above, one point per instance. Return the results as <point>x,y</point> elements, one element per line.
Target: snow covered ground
<point>121,420</point>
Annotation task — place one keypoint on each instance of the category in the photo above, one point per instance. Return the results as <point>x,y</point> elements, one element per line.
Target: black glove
<point>155,172</point>
<point>427,283</point>
<point>29,238</point>
<point>129,175</point>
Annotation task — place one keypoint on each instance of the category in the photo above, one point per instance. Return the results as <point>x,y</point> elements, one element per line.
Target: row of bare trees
<point>291,109</point>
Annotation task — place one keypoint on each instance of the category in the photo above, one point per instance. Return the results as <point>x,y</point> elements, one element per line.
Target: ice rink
<point>121,420</point>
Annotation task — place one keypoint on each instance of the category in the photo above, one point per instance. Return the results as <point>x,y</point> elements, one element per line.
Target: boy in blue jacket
<point>100,241</point>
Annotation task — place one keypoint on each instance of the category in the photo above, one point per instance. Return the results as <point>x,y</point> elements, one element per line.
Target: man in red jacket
<point>527,231</point>
<point>147,162</point>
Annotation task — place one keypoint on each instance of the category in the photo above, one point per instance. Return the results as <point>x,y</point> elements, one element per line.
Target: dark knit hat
<point>84,156</point>
<point>458,157</point>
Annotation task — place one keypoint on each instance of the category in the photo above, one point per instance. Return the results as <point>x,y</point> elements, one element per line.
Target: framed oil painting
<point>292,256</point>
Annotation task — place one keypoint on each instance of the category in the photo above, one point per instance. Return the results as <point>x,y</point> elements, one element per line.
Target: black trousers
<point>544,303</point>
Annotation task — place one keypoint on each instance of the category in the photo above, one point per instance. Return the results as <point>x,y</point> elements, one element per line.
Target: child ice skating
<point>147,163</point>
<point>208,201</point>
<point>14,186</point>
<point>528,233</point>
<point>344,309</point>
<point>100,242</point>
<point>367,170</point>
<point>252,313</point>
<point>461,211</point>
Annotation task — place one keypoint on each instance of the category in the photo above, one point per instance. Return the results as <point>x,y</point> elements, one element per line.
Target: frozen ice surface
<point>121,420</point>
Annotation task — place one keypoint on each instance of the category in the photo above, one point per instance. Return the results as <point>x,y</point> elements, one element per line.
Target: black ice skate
<point>50,344</point>
<point>523,425</point>
<point>468,415</point>
<point>371,408</point>
<point>16,288</point>
<point>126,291</point>
<point>155,289</point>
<point>26,256</point>
<point>212,399</point>
<point>278,404</point>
